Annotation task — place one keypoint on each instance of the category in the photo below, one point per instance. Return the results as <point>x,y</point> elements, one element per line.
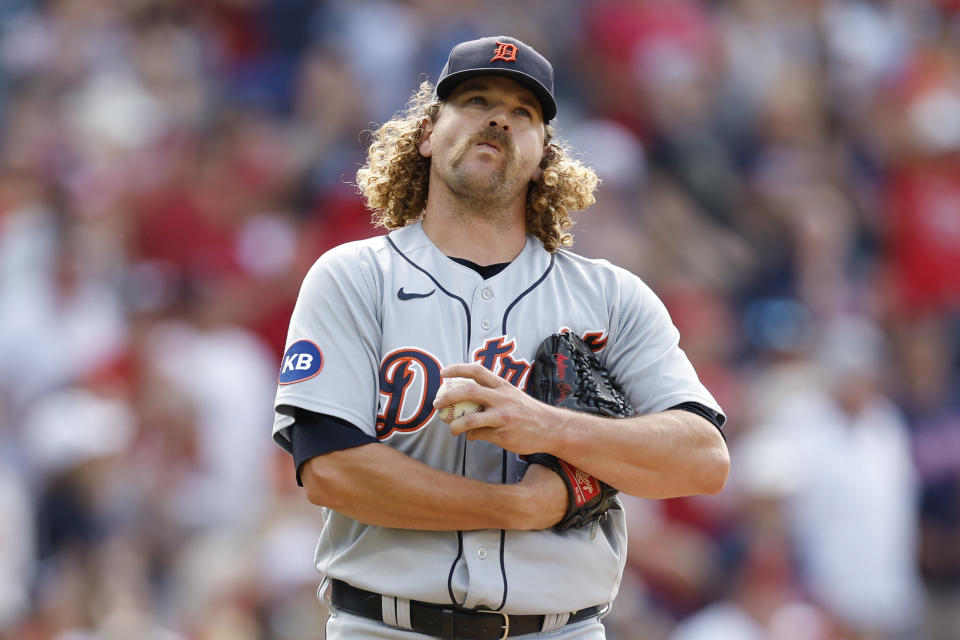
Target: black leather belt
<point>450,623</point>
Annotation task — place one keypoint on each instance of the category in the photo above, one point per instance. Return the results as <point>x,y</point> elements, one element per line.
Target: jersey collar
<point>417,247</point>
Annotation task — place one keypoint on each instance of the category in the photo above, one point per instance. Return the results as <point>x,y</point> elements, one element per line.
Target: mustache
<point>494,134</point>
<point>487,134</point>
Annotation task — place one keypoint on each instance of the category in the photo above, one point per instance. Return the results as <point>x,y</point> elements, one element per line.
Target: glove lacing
<point>612,402</point>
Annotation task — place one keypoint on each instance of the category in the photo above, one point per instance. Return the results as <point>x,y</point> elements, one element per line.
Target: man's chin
<point>479,182</point>
<point>482,162</point>
<point>478,193</point>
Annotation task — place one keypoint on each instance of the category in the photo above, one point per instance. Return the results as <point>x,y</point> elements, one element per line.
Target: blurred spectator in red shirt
<point>922,231</point>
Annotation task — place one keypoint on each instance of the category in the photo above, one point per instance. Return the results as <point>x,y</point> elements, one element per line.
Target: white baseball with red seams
<point>457,409</point>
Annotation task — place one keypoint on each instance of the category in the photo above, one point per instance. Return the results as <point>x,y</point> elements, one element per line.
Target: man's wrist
<point>542,499</point>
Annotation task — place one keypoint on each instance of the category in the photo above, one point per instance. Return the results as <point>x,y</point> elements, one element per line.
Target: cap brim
<point>549,106</point>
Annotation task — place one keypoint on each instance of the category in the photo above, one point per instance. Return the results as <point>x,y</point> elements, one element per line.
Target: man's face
<point>487,142</point>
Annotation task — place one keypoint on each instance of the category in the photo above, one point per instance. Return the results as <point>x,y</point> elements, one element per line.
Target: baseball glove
<point>566,373</point>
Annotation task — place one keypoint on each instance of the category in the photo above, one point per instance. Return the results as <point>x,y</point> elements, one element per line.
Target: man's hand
<point>511,419</point>
<point>547,497</point>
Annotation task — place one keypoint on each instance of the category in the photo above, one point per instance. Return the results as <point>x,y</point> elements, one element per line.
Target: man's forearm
<point>663,455</point>
<point>378,485</point>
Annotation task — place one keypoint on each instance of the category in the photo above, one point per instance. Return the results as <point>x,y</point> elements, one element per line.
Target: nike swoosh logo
<point>403,295</point>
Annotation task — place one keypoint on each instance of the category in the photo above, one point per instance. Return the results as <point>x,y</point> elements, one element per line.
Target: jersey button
<point>484,324</point>
<point>486,293</point>
<point>482,553</point>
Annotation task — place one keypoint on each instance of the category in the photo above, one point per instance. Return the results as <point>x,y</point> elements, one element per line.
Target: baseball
<point>458,409</point>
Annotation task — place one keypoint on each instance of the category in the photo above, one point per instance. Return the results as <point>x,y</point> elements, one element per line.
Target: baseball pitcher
<point>465,396</point>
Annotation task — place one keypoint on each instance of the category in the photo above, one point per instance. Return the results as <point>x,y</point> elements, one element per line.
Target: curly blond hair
<point>395,177</point>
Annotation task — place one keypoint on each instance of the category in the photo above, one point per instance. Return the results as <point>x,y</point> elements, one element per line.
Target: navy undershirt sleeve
<point>314,434</point>
<point>704,412</point>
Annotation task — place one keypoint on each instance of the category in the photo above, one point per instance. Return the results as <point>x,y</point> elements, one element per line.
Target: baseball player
<point>437,530</point>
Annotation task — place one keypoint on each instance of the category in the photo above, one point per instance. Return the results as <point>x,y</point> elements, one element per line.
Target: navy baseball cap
<point>500,56</point>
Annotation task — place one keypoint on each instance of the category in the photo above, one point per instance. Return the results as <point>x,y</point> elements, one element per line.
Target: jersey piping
<point>463,303</point>
<point>453,565</point>
<point>463,468</point>
<point>553,258</point>
<point>503,475</point>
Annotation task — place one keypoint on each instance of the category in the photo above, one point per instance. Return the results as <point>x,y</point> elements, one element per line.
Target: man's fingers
<point>471,422</point>
<point>467,393</point>
<point>482,433</point>
<point>474,371</point>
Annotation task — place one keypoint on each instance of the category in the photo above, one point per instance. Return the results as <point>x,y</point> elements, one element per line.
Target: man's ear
<point>426,147</point>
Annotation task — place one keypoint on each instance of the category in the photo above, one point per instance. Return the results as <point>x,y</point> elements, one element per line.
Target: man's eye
<point>524,112</point>
<point>477,100</point>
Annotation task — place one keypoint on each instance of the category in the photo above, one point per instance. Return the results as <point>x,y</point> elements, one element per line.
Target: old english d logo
<point>409,381</point>
<point>505,51</point>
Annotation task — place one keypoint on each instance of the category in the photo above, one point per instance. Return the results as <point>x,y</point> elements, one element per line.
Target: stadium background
<point>784,173</point>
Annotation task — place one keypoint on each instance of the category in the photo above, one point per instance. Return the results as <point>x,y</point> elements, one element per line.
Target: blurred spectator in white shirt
<point>841,458</point>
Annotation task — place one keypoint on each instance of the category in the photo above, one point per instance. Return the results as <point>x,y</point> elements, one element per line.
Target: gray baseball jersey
<point>375,322</point>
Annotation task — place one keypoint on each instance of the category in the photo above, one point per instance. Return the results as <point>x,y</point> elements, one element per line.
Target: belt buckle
<point>506,621</point>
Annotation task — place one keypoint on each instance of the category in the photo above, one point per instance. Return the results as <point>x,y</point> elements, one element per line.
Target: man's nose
<point>500,121</point>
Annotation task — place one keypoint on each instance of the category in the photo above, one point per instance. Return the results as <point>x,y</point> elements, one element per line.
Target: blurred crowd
<point>784,173</point>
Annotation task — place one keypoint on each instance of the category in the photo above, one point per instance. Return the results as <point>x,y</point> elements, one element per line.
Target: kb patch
<point>302,361</point>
